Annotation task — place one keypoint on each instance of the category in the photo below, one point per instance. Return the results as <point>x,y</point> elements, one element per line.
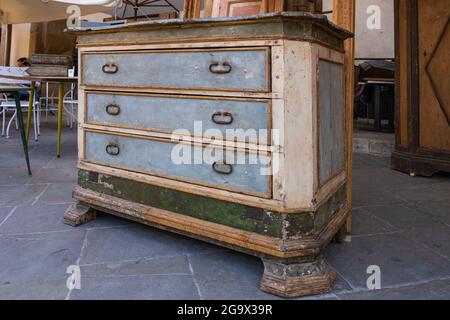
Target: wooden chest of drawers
<point>230,130</point>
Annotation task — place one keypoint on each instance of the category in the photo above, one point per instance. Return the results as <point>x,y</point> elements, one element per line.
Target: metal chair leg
<point>38,123</point>
<point>22,130</point>
<point>60,113</point>
<point>3,121</point>
<point>32,110</point>
<point>10,123</point>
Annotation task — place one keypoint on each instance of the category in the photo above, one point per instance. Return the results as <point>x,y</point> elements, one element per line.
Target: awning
<point>25,11</point>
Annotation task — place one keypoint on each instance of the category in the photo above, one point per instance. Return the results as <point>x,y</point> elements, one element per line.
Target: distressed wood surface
<point>422,98</point>
<point>331,120</point>
<point>283,279</point>
<point>275,26</point>
<point>78,214</point>
<point>308,245</point>
<point>192,9</point>
<point>225,211</point>
<point>163,113</point>
<point>401,75</point>
<point>292,184</point>
<point>434,72</point>
<point>208,7</point>
<point>157,157</point>
<point>126,165</point>
<point>268,204</point>
<point>293,265</point>
<point>344,16</point>
<point>209,69</point>
<point>298,117</point>
<point>237,8</point>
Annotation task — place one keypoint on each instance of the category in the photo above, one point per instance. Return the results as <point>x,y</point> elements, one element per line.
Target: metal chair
<point>70,100</point>
<point>49,104</point>
<point>8,104</point>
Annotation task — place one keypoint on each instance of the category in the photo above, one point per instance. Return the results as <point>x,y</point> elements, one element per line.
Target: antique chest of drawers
<point>227,130</point>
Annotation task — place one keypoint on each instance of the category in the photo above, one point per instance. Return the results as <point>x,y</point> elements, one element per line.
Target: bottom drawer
<point>223,169</point>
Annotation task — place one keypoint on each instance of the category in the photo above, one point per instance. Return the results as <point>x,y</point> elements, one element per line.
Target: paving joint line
<point>197,286</point>
<point>36,199</point>
<point>399,286</point>
<point>8,215</point>
<point>77,263</point>
<point>144,259</point>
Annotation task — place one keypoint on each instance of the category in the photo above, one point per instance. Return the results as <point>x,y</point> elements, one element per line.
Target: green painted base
<point>290,245</point>
<point>239,216</point>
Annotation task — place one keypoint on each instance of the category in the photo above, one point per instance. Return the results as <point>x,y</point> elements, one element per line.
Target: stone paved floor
<point>401,224</point>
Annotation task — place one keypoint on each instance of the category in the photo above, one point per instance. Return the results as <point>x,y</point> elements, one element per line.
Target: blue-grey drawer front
<point>239,69</point>
<point>241,119</point>
<point>159,158</point>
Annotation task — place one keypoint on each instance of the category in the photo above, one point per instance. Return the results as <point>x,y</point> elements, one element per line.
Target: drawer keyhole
<point>220,68</point>
<point>222,118</point>
<point>110,68</point>
<point>112,149</point>
<point>222,168</point>
<point>113,109</point>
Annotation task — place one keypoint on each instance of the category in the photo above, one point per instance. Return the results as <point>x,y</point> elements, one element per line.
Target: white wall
<point>373,43</point>
<point>20,42</point>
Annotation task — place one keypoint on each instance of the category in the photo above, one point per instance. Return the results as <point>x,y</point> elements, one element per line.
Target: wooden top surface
<point>298,16</point>
<point>296,26</point>
<point>37,78</point>
<point>12,88</point>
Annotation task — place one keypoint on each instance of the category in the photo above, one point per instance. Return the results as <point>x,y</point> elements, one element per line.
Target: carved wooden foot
<point>78,214</point>
<point>290,280</point>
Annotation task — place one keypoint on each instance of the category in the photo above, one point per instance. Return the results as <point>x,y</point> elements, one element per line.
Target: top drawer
<point>242,69</point>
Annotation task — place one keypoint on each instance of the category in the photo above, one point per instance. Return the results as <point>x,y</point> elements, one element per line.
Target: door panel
<point>434,73</point>
<point>236,8</point>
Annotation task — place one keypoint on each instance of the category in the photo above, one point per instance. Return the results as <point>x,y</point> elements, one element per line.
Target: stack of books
<point>48,65</point>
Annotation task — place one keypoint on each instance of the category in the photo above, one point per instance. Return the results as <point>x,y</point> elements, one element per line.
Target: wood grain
<point>344,16</point>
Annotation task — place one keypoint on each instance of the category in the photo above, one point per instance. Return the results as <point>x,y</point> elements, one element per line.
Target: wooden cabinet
<point>423,95</point>
<point>265,173</point>
<point>236,8</point>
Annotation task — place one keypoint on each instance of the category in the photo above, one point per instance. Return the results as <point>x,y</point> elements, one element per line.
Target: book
<point>49,59</point>
<point>48,70</point>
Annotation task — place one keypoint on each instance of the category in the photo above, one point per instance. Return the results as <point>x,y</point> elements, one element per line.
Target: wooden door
<point>236,8</point>
<point>434,75</point>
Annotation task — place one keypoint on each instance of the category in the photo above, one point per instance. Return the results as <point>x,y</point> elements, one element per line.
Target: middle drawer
<point>223,118</point>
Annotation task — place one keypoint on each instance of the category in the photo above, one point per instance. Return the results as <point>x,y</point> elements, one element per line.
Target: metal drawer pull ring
<point>113,109</point>
<point>222,118</point>
<point>220,68</point>
<point>112,149</point>
<point>110,68</point>
<point>222,168</point>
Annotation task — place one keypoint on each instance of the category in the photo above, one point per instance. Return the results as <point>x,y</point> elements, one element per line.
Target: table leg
<point>60,112</point>
<point>30,108</point>
<point>377,106</point>
<point>22,130</point>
